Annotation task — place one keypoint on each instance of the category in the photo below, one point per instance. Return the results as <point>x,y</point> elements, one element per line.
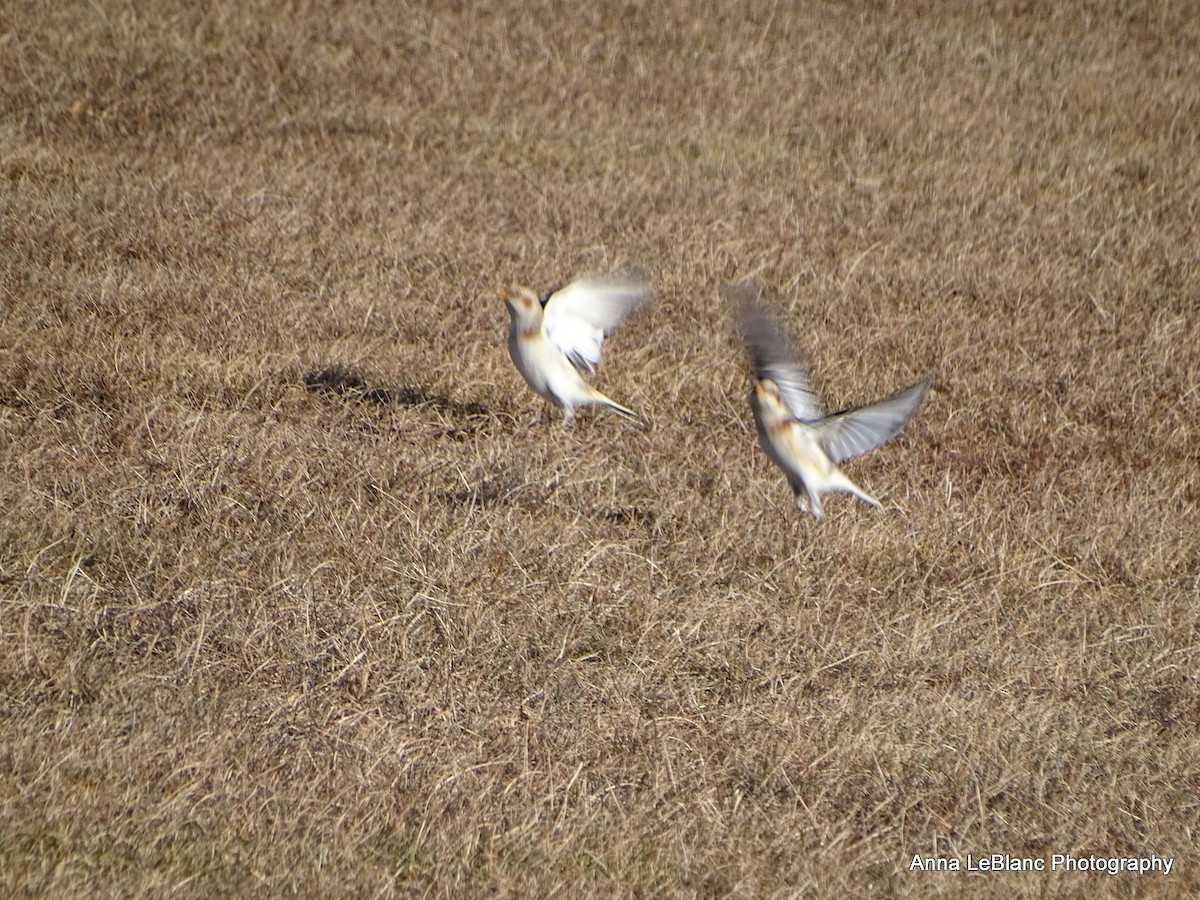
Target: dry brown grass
<point>294,597</point>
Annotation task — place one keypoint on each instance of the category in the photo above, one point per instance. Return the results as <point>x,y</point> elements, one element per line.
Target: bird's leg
<point>808,501</point>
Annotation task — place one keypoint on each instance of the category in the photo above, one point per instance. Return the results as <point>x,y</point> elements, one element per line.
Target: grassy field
<point>297,596</point>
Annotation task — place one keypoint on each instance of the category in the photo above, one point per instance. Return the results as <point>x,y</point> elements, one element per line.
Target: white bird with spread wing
<point>792,430</point>
<point>555,339</point>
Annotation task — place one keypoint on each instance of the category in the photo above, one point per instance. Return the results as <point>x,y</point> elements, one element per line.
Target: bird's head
<point>523,305</point>
<point>767,400</point>
<point>767,391</point>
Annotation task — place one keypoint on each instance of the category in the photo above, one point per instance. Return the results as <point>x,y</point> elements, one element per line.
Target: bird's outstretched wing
<point>771,356</point>
<point>579,316</point>
<point>856,431</point>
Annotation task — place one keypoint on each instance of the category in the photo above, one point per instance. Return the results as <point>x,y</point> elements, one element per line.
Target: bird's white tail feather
<point>841,481</point>
<point>600,398</point>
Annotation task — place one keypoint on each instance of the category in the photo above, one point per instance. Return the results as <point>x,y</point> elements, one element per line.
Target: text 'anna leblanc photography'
<point>1057,862</point>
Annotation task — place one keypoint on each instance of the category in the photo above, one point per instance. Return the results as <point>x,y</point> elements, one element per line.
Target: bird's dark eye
<point>545,296</point>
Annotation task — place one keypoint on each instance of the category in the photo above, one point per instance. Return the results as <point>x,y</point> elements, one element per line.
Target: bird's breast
<point>796,449</point>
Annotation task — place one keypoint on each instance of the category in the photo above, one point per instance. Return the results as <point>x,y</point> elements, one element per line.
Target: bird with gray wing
<point>793,431</point>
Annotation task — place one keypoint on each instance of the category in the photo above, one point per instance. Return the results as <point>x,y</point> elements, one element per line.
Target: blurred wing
<point>579,317</point>
<point>856,431</point>
<point>772,357</point>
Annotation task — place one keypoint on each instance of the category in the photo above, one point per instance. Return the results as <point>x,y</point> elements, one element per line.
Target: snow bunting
<point>556,338</point>
<point>791,428</point>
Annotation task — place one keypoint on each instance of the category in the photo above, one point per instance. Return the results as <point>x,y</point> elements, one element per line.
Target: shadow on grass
<point>505,489</point>
<point>343,380</point>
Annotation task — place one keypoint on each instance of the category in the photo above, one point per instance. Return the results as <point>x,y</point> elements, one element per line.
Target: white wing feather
<point>577,318</point>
